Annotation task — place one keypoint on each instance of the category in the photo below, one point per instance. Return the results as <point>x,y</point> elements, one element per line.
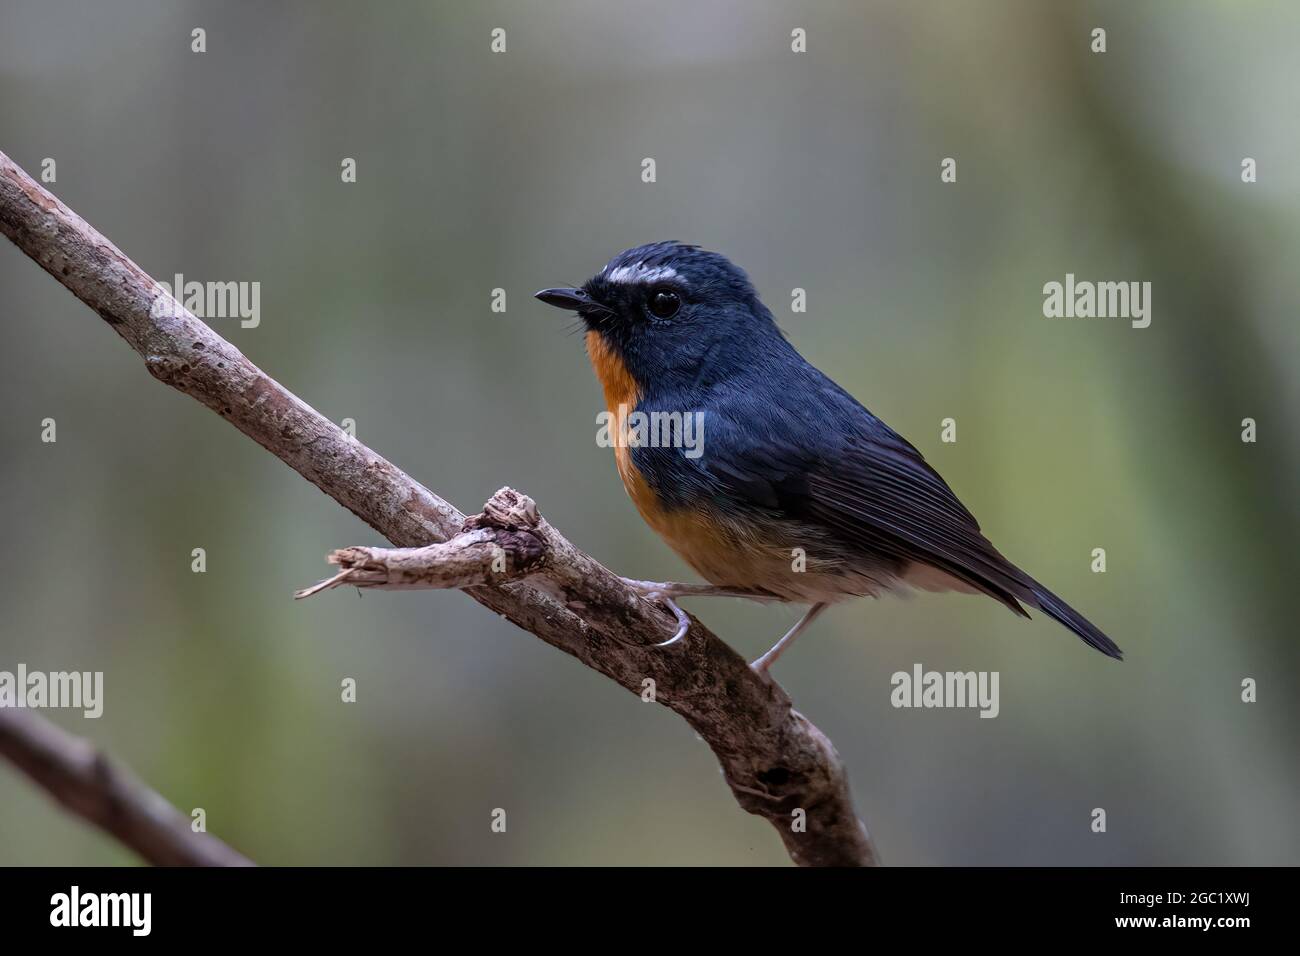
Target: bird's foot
<point>664,591</point>
<point>683,621</point>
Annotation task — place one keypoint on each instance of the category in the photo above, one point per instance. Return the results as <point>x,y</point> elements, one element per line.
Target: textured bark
<point>494,547</point>
<point>775,761</point>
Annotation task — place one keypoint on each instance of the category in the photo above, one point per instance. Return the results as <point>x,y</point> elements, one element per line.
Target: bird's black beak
<point>574,299</point>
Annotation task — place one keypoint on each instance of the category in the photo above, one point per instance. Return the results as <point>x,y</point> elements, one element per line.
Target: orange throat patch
<point>621,397</point>
<point>614,378</point>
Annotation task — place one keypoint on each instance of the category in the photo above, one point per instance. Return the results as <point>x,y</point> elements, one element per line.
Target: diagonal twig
<point>95,787</point>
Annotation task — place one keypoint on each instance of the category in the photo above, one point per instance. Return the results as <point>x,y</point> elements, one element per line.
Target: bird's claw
<point>661,591</point>
<point>683,622</point>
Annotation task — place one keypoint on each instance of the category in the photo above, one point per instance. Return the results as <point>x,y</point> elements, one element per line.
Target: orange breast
<point>712,549</point>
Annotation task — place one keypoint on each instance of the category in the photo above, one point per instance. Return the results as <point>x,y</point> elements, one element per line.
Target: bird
<point>792,491</point>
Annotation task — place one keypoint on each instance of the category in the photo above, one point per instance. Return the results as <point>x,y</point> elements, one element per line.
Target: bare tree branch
<point>497,546</point>
<point>774,759</point>
<point>92,786</point>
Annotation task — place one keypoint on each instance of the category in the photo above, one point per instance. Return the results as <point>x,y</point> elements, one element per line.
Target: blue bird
<point>770,480</point>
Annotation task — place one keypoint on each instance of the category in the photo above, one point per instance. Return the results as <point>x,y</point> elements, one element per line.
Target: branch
<point>504,543</point>
<point>774,759</point>
<point>91,785</point>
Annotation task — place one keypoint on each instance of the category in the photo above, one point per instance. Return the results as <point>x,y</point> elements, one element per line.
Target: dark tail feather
<point>1054,607</point>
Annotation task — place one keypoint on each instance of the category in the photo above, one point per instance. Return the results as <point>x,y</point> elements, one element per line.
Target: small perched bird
<point>793,491</point>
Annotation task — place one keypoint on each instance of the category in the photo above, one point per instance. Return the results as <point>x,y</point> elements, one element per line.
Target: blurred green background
<point>520,170</point>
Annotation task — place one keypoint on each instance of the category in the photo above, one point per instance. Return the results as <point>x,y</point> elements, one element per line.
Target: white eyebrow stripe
<point>641,273</point>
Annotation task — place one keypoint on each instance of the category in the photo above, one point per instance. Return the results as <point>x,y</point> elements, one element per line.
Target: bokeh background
<point>520,170</point>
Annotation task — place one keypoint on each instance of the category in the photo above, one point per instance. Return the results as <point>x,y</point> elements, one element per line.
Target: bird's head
<point>667,311</point>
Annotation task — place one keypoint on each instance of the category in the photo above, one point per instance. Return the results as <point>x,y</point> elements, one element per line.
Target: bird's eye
<point>663,304</point>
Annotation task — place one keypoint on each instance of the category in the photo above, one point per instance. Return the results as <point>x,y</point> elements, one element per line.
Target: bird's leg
<point>665,591</point>
<point>767,660</point>
<point>669,589</point>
